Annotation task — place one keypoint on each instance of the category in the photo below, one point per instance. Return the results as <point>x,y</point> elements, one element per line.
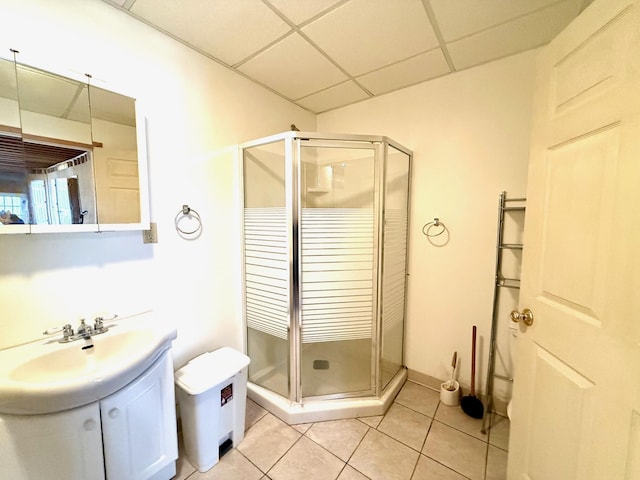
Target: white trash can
<point>212,394</point>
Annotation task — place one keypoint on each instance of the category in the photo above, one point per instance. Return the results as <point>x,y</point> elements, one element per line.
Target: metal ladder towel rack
<point>517,205</point>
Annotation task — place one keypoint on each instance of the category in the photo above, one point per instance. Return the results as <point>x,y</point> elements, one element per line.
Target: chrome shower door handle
<point>525,317</point>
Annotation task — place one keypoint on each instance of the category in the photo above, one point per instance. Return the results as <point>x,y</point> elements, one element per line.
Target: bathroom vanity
<point>127,434</point>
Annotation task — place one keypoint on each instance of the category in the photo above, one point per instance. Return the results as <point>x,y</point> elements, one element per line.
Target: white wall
<point>470,136</point>
<point>195,109</point>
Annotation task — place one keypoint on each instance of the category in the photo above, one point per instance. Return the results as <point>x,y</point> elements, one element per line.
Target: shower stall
<point>325,268</point>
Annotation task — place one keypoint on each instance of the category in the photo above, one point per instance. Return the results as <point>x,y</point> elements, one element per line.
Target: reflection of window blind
<point>395,254</point>
<point>39,201</point>
<point>337,273</point>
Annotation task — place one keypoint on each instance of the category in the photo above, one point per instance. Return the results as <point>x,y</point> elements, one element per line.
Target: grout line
<point>283,455</point>
<point>486,461</point>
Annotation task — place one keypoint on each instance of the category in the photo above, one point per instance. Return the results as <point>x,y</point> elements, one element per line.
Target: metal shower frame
<point>293,143</point>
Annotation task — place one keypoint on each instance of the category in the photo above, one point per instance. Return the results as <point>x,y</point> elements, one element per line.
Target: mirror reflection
<point>13,193</point>
<point>113,126</point>
<point>68,151</point>
<point>56,134</point>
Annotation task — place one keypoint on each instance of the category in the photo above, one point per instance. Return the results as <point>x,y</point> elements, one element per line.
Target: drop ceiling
<point>324,54</point>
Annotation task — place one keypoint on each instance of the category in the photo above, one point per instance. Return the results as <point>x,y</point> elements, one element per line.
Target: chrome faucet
<point>83,331</point>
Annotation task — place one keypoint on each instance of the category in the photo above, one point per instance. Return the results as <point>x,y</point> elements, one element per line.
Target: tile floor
<point>418,438</point>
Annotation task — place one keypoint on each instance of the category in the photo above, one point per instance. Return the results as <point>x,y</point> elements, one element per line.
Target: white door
<point>576,400</point>
<point>117,186</point>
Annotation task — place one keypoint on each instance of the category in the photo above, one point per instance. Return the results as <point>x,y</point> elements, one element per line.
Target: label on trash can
<point>226,394</point>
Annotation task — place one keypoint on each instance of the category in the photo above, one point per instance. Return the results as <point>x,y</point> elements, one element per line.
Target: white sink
<point>46,376</point>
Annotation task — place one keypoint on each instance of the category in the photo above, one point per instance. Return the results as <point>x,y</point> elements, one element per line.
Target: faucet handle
<point>67,331</point>
<point>54,330</point>
<point>98,323</point>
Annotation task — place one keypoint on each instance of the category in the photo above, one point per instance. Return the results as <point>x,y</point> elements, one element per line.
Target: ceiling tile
<point>334,97</point>
<point>522,34</point>
<point>364,35</point>
<point>293,68</point>
<point>217,27</point>
<point>299,12</point>
<point>463,17</point>
<point>408,72</point>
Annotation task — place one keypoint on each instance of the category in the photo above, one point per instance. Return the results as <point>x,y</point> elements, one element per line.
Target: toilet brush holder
<point>450,397</point>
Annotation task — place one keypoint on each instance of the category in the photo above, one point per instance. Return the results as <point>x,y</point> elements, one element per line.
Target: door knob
<point>526,316</point>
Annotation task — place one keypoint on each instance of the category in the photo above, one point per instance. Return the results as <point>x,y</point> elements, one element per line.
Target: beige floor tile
<point>496,464</point>
<point>418,398</point>
<point>380,457</point>
<point>232,465</point>
<point>254,412</point>
<point>405,425</point>
<point>302,427</point>
<point>340,437</point>
<point>428,469</point>
<point>267,440</point>
<point>372,421</point>
<point>499,431</point>
<point>307,460</point>
<point>457,450</point>
<point>456,418</point>
<point>350,473</point>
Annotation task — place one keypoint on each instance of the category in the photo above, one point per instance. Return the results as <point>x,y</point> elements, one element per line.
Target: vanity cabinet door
<point>59,445</point>
<point>139,425</point>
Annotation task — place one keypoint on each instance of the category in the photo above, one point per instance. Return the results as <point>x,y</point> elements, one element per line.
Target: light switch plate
<point>151,235</point>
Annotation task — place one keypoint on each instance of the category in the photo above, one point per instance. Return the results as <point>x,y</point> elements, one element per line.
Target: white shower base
<point>323,410</point>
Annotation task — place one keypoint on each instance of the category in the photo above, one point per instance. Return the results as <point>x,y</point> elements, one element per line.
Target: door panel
<point>576,391</point>
<point>117,186</point>
<point>139,425</point>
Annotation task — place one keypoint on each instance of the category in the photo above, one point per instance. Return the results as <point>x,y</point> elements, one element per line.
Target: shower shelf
<point>500,282</point>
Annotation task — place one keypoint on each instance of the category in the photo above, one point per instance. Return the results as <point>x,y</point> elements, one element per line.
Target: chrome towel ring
<point>436,229</point>
<point>188,213</point>
<point>426,229</point>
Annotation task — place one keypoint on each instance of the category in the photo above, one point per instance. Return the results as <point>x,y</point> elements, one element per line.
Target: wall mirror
<point>70,155</point>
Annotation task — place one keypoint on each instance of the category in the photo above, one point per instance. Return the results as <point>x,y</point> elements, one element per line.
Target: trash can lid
<point>210,369</point>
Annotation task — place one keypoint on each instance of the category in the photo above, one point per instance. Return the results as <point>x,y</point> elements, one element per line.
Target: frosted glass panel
<point>266,267</point>
<point>337,269</point>
<point>394,257</point>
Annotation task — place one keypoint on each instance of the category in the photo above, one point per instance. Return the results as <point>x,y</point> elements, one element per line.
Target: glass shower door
<point>337,251</point>
<point>266,264</point>
<point>394,262</point>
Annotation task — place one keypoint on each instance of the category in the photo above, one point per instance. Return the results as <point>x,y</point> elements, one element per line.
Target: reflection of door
<point>117,187</point>
<point>576,404</point>
<point>74,199</point>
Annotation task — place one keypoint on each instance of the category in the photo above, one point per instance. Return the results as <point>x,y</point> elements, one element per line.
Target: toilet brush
<point>472,405</point>
<point>451,386</point>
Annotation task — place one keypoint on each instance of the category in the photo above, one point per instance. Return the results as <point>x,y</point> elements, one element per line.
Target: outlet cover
<point>151,235</point>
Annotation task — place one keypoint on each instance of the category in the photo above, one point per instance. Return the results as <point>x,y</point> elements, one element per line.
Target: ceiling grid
<point>325,54</point>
